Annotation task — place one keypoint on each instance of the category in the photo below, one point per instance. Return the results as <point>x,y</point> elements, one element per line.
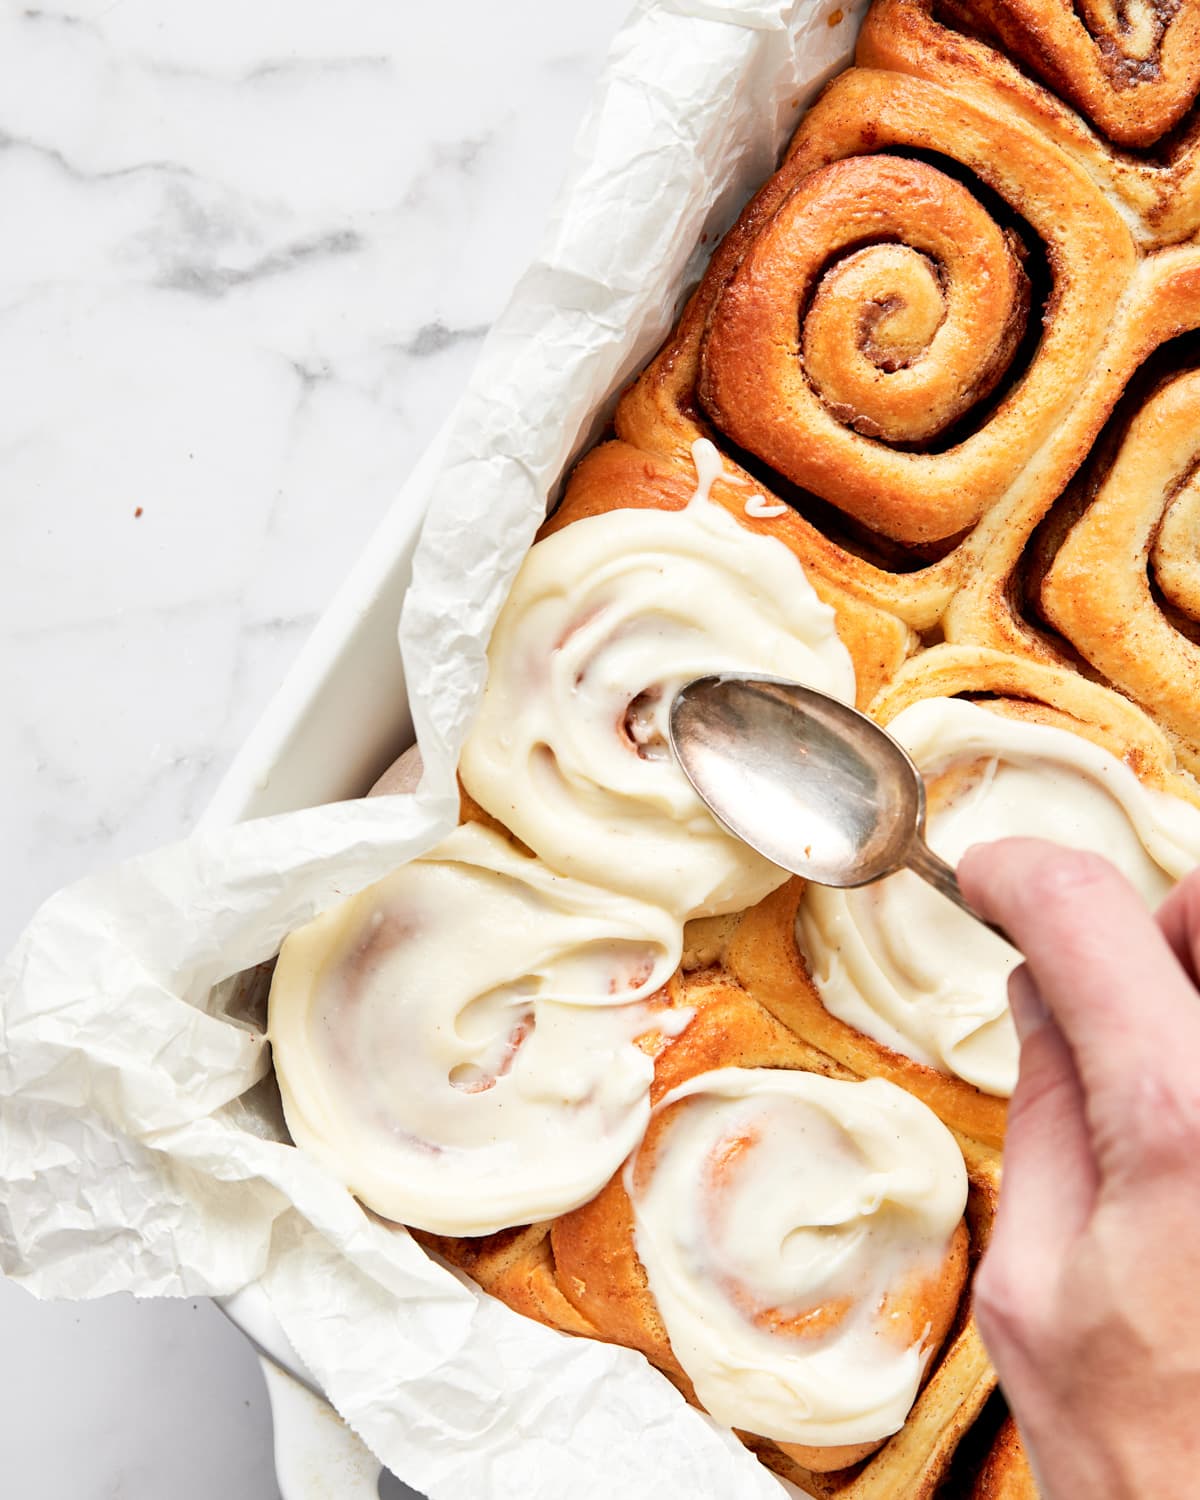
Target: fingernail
<point>1029,1012</point>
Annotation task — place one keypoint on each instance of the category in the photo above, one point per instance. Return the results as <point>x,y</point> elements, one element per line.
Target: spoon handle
<point>925,863</point>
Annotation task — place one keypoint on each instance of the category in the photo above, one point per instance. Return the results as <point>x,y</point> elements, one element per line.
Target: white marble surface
<point>249,250</point>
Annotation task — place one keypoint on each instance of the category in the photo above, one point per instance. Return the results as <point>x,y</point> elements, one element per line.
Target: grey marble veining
<point>249,252</point>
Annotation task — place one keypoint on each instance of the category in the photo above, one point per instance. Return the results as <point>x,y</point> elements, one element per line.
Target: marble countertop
<point>250,249</point>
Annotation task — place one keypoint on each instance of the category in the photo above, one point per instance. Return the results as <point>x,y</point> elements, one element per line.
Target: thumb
<point>1050,1175</point>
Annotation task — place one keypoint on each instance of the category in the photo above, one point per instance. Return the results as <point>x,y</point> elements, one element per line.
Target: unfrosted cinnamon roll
<point>1133,70</point>
<point>957,45</point>
<point>857,344</point>
<point>880,301</point>
<point>459,1043</point>
<point>606,620</point>
<point>1124,587</point>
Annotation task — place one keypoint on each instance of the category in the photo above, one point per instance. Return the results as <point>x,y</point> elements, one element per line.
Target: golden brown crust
<point>516,1265</point>
<point>1006,1474</point>
<point>1158,189</point>
<point>1135,83</point>
<point>1122,587</point>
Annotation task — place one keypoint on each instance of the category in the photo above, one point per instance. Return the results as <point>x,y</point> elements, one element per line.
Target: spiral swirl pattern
<point>458,1042</point>
<point>801,1238</point>
<point>1133,69</point>
<point>607,619</point>
<point>909,301</point>
<point>900,963</point>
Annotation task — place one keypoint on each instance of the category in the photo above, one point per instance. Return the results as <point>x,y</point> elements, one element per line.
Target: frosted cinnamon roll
<point>788,1246</point>
<point>885,980</point>
<point>607,618</point>
<point>901,964</point>
<point>458,1043</point>
<point>758,1265</point>
<point>802,1238</point>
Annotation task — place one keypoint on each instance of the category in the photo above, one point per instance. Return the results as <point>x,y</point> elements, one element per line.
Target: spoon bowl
<point>807,781</point>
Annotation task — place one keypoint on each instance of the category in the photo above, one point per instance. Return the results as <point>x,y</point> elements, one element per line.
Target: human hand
<point>1089,1296</point>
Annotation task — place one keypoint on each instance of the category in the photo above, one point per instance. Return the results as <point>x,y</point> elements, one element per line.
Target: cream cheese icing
<point>900,963</point>
<point>457,1042</point>
<point>763,509</point>
<point>776,1213</point>
<point>606,620</point>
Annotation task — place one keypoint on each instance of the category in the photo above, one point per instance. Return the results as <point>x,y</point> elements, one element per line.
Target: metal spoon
<point>810,783</point>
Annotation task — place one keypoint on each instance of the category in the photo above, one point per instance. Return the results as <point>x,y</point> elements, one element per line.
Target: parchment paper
<point>141,1146</point>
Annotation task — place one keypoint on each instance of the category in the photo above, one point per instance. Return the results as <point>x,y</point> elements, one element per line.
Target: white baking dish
<point>342,713</point>
<point>339,717</point>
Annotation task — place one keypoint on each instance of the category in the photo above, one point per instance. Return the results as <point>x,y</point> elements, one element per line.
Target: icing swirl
<point>457,1043</point>
<point>606,620</point>
<point>900,963</point>
<point>800,1237</point>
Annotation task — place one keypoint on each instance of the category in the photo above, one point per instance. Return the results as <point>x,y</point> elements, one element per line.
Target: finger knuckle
<point>1000,1301</point>
<point>1066,875</point>
<point>1164,1133</point>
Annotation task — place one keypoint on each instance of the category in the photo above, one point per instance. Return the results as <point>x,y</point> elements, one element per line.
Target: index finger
<point>1109,977</point>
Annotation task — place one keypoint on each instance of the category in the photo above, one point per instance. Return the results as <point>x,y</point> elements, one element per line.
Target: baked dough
<point>936,392</point>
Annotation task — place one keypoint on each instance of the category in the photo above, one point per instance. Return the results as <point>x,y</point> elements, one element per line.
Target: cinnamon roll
<point>907,968</point>
<point>606,620</point>
<point>466,1043</point>
<point>802,1239</point>
<point>881,301</point>
<point>790,1247</point>
<point>892,975</point>
<point>1133,72</point>
<point>1123,587</point>
<point>912,335</point>
<point>990,52</point>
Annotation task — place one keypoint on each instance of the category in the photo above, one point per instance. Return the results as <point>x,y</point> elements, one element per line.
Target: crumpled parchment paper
<point>141,1146</point>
